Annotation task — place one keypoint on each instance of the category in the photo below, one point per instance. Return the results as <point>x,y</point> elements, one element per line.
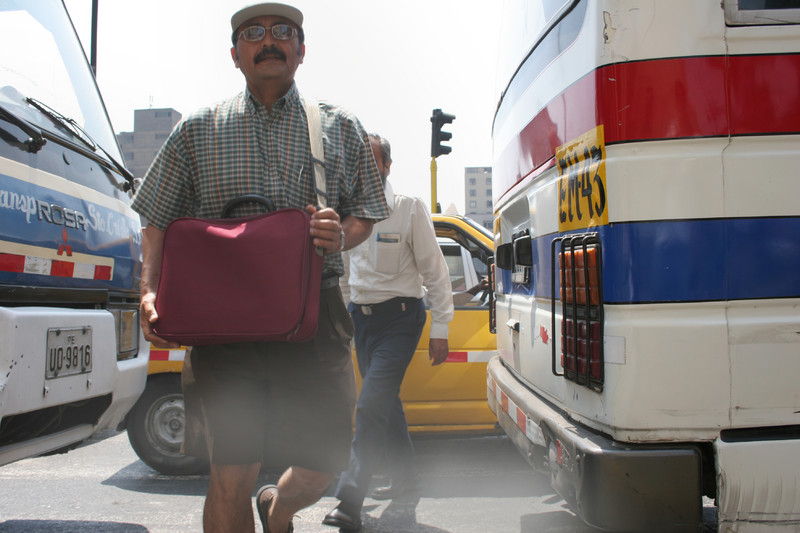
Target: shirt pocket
<point>388,252</point>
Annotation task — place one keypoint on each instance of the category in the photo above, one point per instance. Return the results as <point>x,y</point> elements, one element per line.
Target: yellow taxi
<point>449,398</point>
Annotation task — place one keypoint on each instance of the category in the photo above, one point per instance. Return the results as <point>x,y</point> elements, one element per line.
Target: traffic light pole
<point>433,186</point>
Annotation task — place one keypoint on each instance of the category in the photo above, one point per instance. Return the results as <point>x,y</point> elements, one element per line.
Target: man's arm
<point>326,229</point>
<point>436,278</point>
<point>356,230</point>
<point>152,242</point>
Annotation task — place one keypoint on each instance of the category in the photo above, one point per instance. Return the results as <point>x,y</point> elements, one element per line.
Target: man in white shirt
<point>389,275</point>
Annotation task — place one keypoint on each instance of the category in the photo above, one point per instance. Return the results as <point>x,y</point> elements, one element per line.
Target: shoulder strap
<point>317,150</point>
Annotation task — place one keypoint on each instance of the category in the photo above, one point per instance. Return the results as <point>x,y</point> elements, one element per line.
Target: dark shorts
<point>279,404</point>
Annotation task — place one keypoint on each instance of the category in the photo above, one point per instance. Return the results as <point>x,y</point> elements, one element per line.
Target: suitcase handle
<point>257,198</point>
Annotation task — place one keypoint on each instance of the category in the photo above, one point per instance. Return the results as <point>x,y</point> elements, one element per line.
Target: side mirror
<point>523,251</point>
<point>504,256</point>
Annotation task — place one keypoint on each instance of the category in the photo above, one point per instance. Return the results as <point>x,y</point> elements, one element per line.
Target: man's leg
<point>380,386</point>
<point>391,346</point>
<point>229,507</point>
<point>297,489</point>
<point>399,448</point>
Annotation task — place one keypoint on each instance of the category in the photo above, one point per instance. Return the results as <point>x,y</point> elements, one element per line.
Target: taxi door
<point>451,397</point>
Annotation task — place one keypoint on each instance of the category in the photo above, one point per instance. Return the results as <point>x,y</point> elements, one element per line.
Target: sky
<point>389,62</point>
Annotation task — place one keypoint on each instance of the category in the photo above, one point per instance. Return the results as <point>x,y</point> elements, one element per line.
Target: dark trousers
<point>385,341</point>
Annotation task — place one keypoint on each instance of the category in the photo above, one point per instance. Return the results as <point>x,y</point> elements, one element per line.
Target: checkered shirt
<point>240,147</point>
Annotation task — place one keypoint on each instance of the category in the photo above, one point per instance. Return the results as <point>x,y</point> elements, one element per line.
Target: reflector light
<point>559,453</point>
<point>126,322</point>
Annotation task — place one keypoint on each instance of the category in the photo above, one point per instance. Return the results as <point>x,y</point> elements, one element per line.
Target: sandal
<point>263,507</point>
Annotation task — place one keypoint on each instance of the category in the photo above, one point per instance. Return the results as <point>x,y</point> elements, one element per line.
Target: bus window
<point>761,12</point>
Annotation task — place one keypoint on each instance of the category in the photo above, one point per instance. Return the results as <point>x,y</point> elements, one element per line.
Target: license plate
<point>69,352</point>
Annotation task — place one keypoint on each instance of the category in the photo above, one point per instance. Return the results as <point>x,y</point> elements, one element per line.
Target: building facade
<point>151,127</point>
<point>478,195</point>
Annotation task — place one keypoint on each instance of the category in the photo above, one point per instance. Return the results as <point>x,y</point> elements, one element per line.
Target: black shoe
<point>343,520</point>
<point>394,490</point>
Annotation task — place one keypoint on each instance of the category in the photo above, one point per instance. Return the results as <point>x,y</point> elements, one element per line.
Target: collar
<point>388,191</point>
<point>286,101</point>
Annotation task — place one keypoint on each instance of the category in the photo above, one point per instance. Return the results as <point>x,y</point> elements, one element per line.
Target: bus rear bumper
<point>610,485</point>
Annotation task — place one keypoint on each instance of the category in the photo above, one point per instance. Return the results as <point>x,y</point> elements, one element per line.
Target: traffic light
<point>439,119</point>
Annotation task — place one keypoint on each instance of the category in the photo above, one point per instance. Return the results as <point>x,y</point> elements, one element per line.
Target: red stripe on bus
<point>522,420</point>
<point>764,96</point>
<point>102,272</point>
<point>12,262</point>
<point>62,269</point>
<point>661,99</point>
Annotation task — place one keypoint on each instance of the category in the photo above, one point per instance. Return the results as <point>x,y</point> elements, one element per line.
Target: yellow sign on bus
<point>582,198</point>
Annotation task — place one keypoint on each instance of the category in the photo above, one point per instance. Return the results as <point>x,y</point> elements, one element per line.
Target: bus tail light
<point>578,264</point>
<point>582,280</point>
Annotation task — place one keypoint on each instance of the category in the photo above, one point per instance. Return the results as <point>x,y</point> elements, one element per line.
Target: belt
<point>329,282</point>
<point>394,306</point>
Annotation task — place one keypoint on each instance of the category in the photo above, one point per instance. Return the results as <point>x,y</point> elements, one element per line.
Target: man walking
<point>265,403</point>
<point>389,275</point>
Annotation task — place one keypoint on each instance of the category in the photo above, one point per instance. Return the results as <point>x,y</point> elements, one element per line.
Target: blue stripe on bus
<point>691,260</point>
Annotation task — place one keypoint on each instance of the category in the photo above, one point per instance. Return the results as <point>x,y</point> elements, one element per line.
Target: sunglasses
<point>256,32</point>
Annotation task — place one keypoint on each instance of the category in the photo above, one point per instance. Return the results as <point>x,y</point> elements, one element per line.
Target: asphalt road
<point>467,485</point>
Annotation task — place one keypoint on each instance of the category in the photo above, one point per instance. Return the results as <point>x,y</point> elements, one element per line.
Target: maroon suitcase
<point>246,279</point>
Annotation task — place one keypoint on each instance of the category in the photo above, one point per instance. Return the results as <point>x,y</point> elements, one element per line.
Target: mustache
<point>270,51</point>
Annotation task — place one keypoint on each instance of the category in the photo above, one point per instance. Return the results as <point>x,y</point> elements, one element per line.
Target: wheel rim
<point>166,423</point>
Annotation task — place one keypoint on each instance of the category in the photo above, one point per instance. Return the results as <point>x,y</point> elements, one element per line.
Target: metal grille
<point>577,260</point>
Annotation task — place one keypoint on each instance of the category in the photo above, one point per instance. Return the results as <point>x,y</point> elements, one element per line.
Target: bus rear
<point>647,236</point>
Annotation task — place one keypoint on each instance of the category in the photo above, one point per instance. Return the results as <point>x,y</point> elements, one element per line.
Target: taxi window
<point>481,268</point>
<point>467,269</point>
<point>455,264</point>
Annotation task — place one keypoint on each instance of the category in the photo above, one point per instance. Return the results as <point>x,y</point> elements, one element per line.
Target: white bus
<point>647,232</point>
